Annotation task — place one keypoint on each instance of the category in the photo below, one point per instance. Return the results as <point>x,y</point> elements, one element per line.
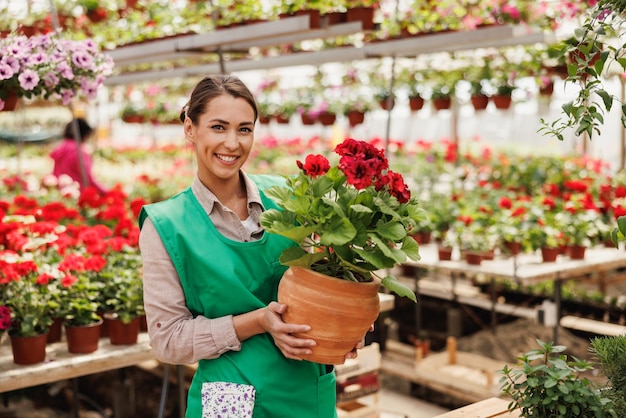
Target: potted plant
<point>63,68</point>
<point>545,383</point>
<point>348,222</point>
<point>82,322</point>
<point>121,295</point>
<point>25,294</point>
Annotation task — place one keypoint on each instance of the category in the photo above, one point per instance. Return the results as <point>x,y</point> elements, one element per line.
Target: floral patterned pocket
<point>227,400</point>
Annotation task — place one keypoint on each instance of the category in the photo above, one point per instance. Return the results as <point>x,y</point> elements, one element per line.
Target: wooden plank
<point>593,326</point>
<point>61,365</point>
<point>488,408</point>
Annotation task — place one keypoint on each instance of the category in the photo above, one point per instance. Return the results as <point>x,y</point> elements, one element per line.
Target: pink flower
<point>28,79</point>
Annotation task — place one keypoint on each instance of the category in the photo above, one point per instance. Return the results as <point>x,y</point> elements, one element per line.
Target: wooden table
<point>61,365</point>
<point>488,408</point>
<point>527,269</point>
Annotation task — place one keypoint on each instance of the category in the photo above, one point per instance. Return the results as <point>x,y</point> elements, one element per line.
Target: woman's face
<point>222,138</point>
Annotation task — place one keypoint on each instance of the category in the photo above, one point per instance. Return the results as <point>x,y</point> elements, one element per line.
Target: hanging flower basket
<point>480,101</point>
<point>416,103</point>
<point>355,117</point>
<point>502,102</point>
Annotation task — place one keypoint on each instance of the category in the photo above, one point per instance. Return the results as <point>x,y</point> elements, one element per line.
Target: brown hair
<point>211,87</point>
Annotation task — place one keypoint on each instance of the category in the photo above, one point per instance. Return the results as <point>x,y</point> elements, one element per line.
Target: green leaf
<point>339,232</point>
<point>607,99</point>
<point>361,208</point>
<point>411,249</point>
<point>621,224</point>
<point>296,256</point>
<point>283,223</point>
<point>399,288</point>
<point>391,230</point>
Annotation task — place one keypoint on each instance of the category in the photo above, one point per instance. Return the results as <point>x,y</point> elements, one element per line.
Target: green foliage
<point>343,231</point>
<point>588,56</point>
<point>80,300</point>
<point>545,384</point>
<point>611,355</point>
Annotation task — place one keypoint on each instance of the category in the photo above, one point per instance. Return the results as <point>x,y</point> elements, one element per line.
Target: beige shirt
<point>175,336</point>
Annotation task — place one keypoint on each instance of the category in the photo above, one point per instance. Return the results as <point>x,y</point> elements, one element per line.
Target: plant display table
<point>526,269</point>
<point>488,408</point>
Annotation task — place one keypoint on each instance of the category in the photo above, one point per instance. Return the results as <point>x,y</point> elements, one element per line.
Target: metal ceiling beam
<point>497,36</point>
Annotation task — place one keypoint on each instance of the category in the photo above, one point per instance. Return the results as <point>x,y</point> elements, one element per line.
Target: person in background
<point>211,276</point>
<point>67,160</point>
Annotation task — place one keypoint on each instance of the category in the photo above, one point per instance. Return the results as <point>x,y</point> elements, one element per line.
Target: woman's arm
<point>175,336</point>
<point>178,338</point>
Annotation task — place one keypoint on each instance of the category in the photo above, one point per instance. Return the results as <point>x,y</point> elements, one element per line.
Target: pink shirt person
<point>66,157</point>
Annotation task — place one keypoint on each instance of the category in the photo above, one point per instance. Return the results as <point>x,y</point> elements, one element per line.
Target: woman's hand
<point>358,346</point>
<point>291,346</point>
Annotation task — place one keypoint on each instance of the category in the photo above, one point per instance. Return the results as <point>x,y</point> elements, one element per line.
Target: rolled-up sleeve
<point>175,336</point>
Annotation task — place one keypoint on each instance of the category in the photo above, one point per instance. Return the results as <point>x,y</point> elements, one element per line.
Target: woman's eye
<point>218,127</point>
<point>246,130</point>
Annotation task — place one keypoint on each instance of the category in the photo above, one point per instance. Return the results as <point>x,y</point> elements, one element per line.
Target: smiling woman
<point>211,274</point>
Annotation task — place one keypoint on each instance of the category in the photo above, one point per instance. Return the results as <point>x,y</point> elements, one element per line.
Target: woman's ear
<point>188,129</point>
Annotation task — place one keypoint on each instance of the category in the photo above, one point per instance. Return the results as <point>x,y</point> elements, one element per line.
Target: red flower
<point>396,185</point>
<point>314,165</point>
<point>505,203</point>
<point>5,318</point>
<point>549,202</point>
<point>44,278</point>
<point>68,280</point>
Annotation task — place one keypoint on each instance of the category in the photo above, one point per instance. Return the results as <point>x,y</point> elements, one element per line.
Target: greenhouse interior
<point>438,189</point>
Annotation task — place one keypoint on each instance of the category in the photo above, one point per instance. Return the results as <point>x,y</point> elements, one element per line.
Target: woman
<point>67,159</point>
<point>210,282</point>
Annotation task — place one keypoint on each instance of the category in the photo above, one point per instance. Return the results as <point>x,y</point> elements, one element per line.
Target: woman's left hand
<point>354,353</point>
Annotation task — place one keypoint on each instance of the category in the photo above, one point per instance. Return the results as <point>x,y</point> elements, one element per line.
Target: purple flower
<point>28,79</point>
<point>51,79</point>
<point>82,60</point>
<point>5,71</point>
<point>65,71</point>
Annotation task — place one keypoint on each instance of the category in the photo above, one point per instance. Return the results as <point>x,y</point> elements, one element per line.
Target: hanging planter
<point>365,15</point>
<point>307,119</point>
<point>355,117</point>
<point>327,118</point>
<point>480,101</point>
<point>502,102</point>
<point>416,103</point>
<point>441,103</point>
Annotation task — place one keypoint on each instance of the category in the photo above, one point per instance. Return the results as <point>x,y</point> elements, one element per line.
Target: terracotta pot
<point>474,258</point>
<point>334,18</point>
<point>547,90</point>
<point>548,255</point>
<point>121,333</point>
<point>512,248</point>
<point>577,252</point>
<point>339,312</point>
<point>264,120</point>
<point>355,117</point>
<point>444,253</point>
<point>480,101</point>
<point>416,103</point>
<point>327,118</point>
<point>282,119</point>
<point>364,15</point>
<point>501,102</point>
<point>314,17</point>
<point>387,105</point>
<point>443,103</point>
<point>83,339</point>
<point>307,119</point>
<point>10,103</point>
<point>422,237</point>
<point>55,331</point>
<point>143,323</point>
<point>29,350</point>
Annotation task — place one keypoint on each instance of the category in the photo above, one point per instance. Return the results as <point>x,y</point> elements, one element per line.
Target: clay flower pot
<point>29,350</point>
<point>340,312</point>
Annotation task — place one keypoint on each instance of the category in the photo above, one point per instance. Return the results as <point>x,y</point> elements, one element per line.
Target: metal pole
<point>390,101</point>
<point>220,54</point>
<point>623,136</point>
<point>75,130</point>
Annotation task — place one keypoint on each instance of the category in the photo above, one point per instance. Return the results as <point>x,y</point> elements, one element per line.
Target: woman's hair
<point>213,86</point>
<point>83,128</point>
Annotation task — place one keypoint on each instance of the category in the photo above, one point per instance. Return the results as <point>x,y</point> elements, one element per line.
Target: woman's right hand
<point>291,346</point>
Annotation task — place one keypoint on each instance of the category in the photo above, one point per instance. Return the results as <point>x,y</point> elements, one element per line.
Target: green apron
<point>222,277</point>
